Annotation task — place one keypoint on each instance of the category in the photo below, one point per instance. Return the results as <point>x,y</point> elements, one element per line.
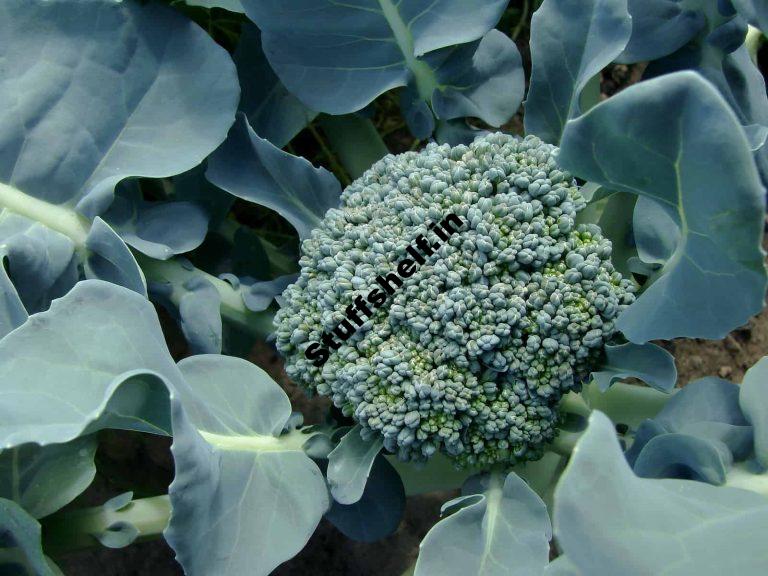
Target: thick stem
<point>355,141</point>
<point>176,273</point>
<point>565,442</point>
<point>626,403</point>
<point>59,218</point>
<point>753,41</point>
<point>77,529</point>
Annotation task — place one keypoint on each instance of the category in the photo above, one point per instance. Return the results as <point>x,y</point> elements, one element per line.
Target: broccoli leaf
<point>608,521</point>
<point>501,527</point>
<point>266,496</point>
<point>378,511</point>
<point>81,111</point>
<point>350,465</point>
<point>145,225</point>
<point>648,362</point>
<point>97,359</point>
<point>252,168</point>
<point>571,41</point>
<point>338,57</point>
<point>753,399</point>
<point>667,139</point>
<point>42,479</point>
<point>108,258</point>
<point>273,112</point>
<point>755,11</point>
<point>231,5</point>
<point>659,27</point>
<point>20,548</point>
<point>698,434</point>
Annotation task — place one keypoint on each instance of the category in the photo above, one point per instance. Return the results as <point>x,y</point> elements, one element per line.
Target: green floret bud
<point>471,355</point>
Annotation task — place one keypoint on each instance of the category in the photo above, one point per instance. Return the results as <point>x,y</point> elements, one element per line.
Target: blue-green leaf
<point>157,229</point>
<point>94,91</point>
<point>659,27</point>
<point>648,362</point>
<point>41,266</point>
<point>231,5</point>
<point>571,41</point>
<point>755,11</point>
<point>274,113</point>
<point>264,495</point>
<point>108,258</point>
<point>483,79</point>
<point>700,431</point>
<point>674,139</point>
<point>378,512</point>
<point>350,464</point>
<point>200,315</point>
<point>251,168</point>
<point>337,57</point>
<point>684,456</point>
<point>753,399</point>
<point>74,368</point>
<point>608,521</point>
<point>655,232</point>
<point>21,552</point>
<point>503,529</point>
<point>42,479</point>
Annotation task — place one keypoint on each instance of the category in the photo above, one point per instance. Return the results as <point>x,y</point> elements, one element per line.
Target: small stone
<point>725,371</point>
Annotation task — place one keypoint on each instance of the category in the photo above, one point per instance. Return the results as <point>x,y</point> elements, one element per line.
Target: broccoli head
<point>470,353</point>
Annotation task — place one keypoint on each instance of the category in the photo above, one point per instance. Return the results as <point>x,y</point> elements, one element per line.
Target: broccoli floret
<point>471,355</point>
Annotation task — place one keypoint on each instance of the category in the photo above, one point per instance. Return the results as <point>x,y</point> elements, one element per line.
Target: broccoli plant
<point>486,290</point>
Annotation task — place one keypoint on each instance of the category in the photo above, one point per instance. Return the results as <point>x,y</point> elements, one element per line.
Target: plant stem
<point>523,17</point>
<point>565,442</point>
<point>177,273</point>
<point>59,218</point>
<point>626,403</point>
<point>753,41</point>
<point>355,141</point>
<point>76,529</point>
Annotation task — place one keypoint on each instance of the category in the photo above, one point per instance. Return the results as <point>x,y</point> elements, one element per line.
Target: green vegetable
<point>471,355</point>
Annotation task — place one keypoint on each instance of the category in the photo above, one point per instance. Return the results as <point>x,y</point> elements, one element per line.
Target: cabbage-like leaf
<point>698,434</point>
<point>231,5</point>
<point>659,27</point>
<point>501,527</point>
<point>755,11</point>
<point>753,399</point>
<point>350,464</point>
<point>675,140</point>
<point>97,358</point>
<point>252,168</point>
<point>274,113</point>
<point>608,521</point>
<point>571,41</point>
<point>108,258</point>
<point>265,495</point>
<point>20,548</point>
<point>73,369</point>
<point>42,479</point>
<point>41,265</point>
<point>147,225</point>
<point>482,79</point>
<point>378,511</point>
<point>337,57</point>
<point>648,362</point>
<point>94,91</point>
